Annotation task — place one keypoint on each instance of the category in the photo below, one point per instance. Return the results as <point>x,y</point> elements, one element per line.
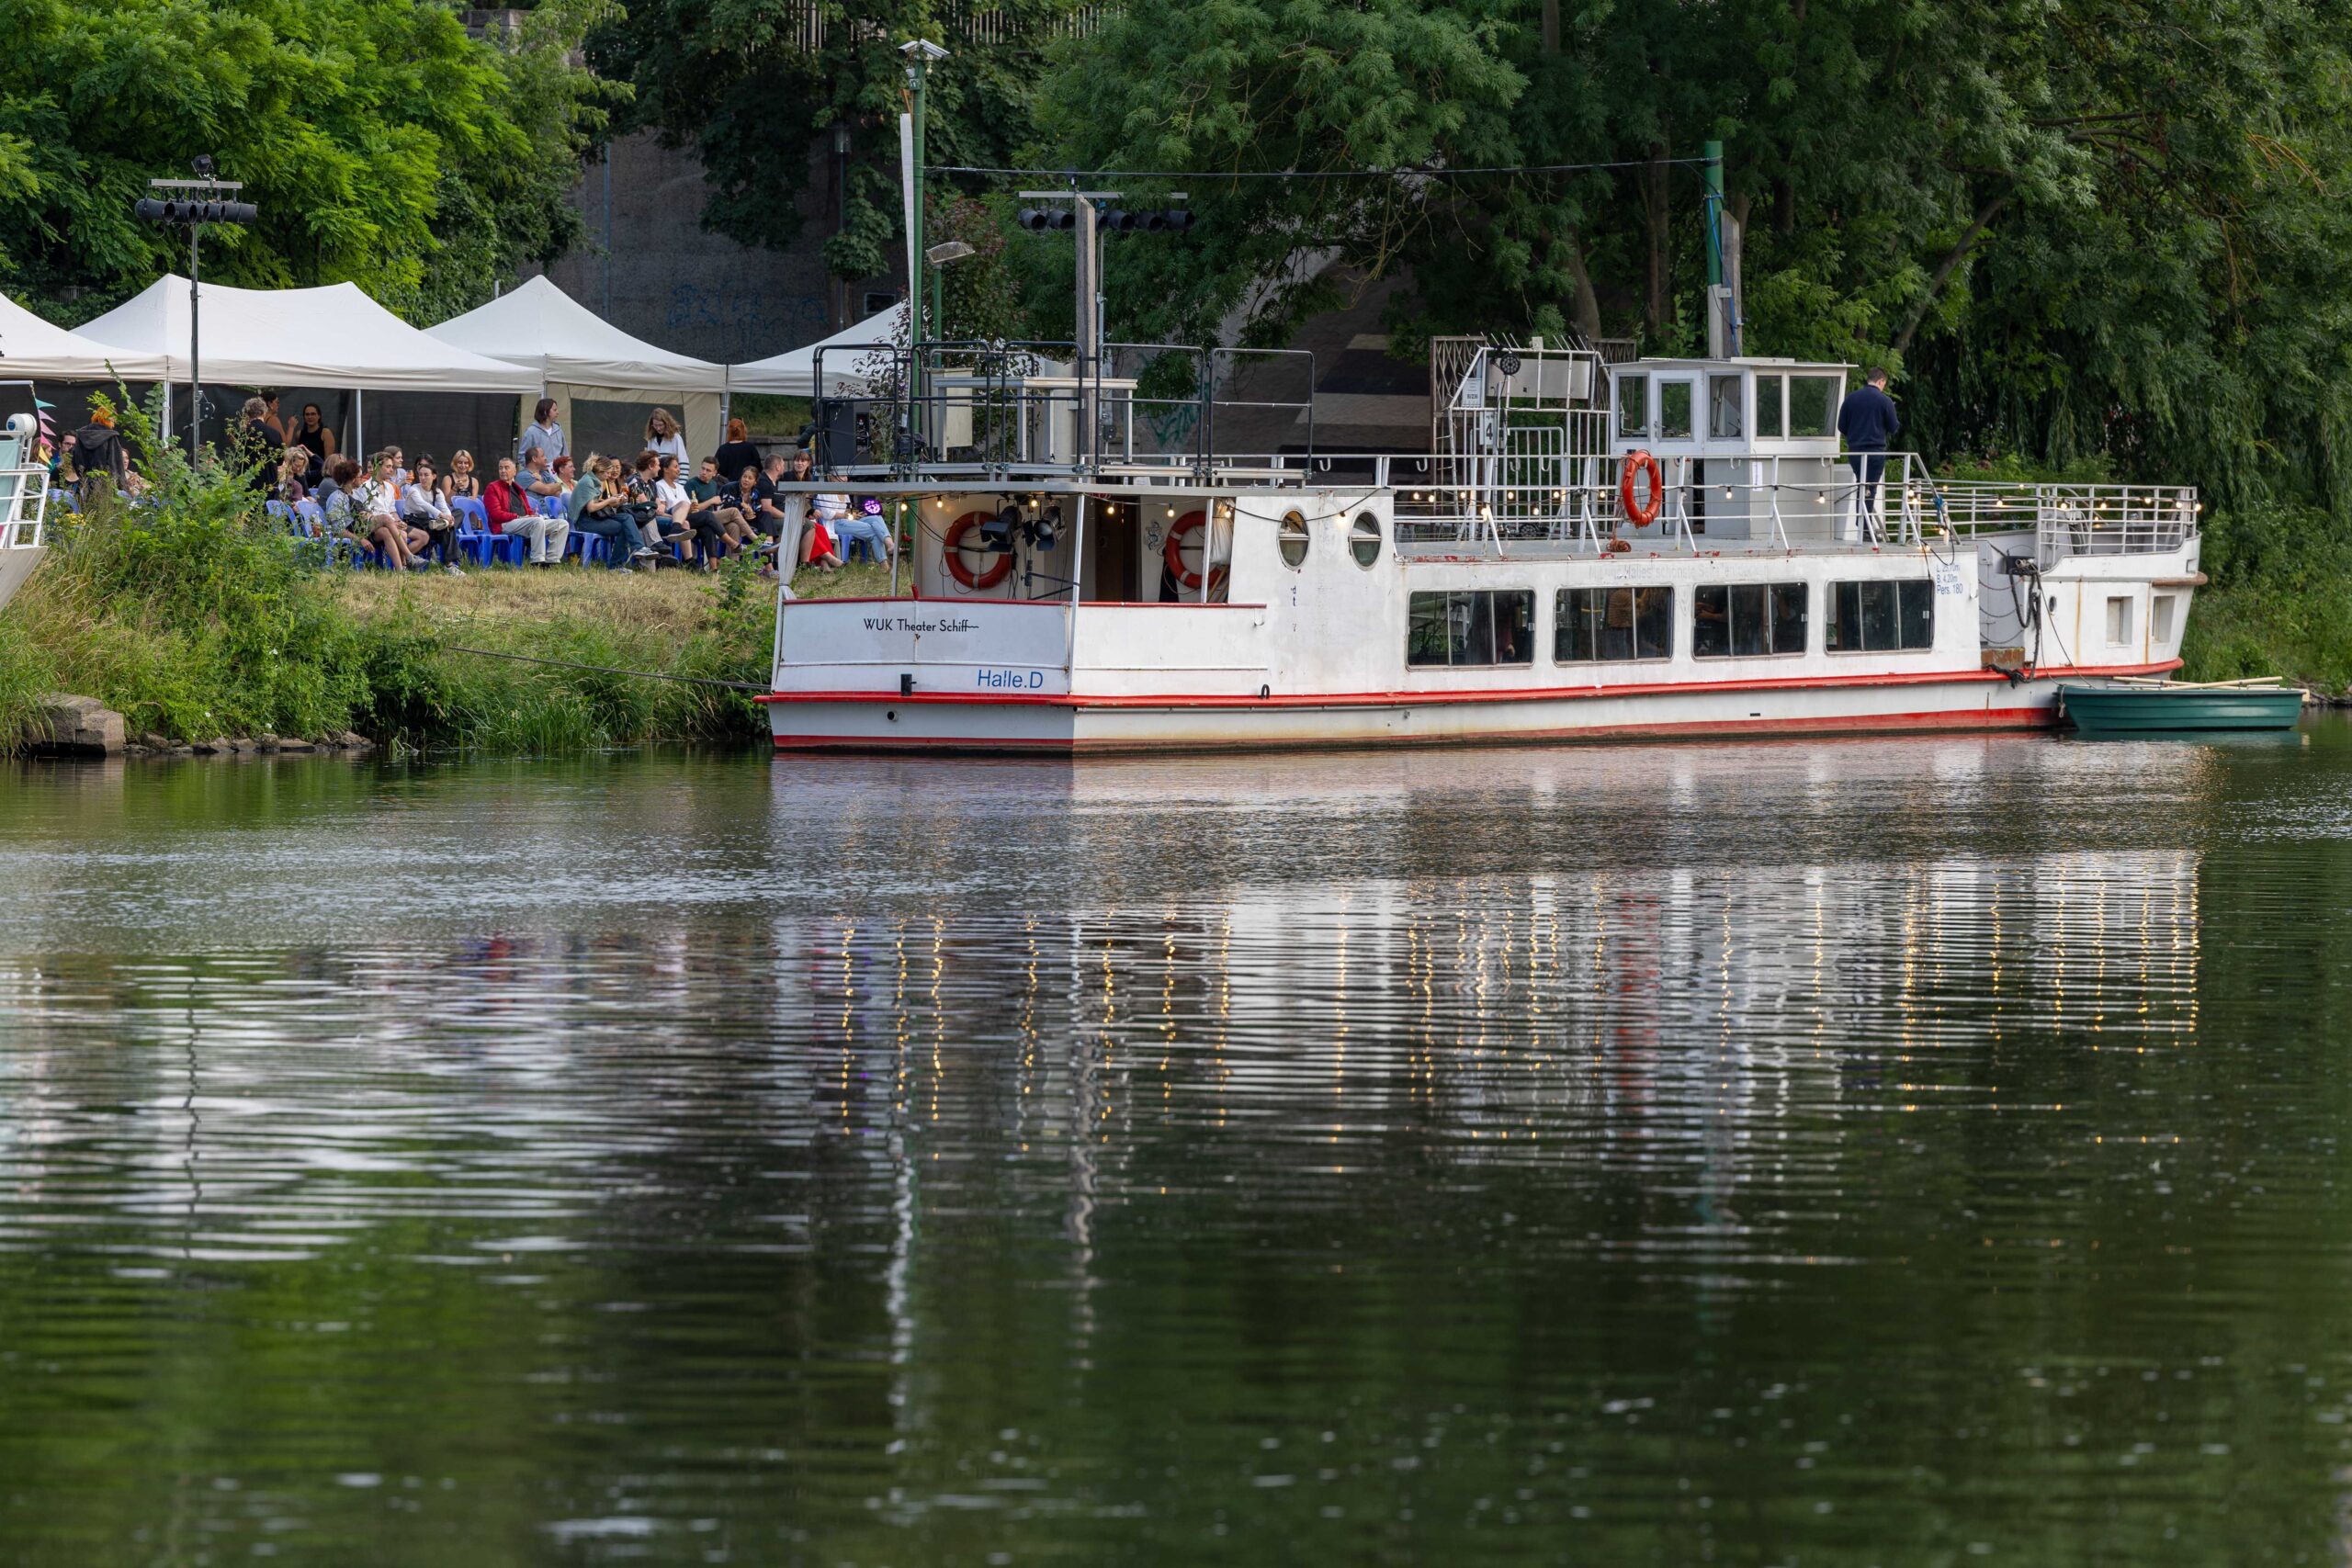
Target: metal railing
<point>997,412</point>
<point>24,507</point>
<point>1449,501</point>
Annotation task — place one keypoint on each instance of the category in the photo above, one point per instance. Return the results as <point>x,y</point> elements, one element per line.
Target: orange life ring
<point>953,556</point>
<point>1173,553</point>
<point>1639,461</point>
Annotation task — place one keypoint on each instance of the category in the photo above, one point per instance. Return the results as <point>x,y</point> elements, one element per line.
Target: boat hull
<point>2154,710</point>
<point>16,563</point>
<point>878,722</point>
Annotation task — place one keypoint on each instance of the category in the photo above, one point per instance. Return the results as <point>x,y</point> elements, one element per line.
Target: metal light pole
<point>920,53</point>
<point>196,214</point>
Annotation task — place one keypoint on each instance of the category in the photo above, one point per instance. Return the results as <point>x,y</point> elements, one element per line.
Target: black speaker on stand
<point>836,434</point>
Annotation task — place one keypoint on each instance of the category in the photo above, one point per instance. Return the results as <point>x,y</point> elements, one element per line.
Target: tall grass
<point>196,615</point>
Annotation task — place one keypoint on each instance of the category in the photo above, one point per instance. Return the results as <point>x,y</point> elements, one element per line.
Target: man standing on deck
<point>1867,422</point>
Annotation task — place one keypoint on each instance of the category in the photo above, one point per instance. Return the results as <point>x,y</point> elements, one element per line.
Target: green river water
<point>1885,1152</point>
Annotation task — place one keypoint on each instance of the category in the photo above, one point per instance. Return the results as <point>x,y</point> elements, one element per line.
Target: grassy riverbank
<point>195,620</point>
<point>2280,602</point>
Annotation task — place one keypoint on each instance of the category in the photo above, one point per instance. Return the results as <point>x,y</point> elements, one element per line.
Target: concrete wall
<point>665,278</point>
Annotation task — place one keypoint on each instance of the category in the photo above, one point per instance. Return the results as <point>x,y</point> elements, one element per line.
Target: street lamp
<point>939,255</point>
<point>194,213</point>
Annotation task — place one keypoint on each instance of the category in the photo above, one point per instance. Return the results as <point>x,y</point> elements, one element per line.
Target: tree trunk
<point>1551,27</point>
<point>1988,210</point>
<point>1588,303</point>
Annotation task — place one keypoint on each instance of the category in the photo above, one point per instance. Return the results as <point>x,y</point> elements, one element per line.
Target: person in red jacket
<point>504,499</point>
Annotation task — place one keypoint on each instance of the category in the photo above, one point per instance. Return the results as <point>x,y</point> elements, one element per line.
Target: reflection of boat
<point>24,499</point>
<point>2130,708</point>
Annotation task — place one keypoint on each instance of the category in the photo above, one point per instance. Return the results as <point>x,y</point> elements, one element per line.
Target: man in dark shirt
<point>1867,422</point>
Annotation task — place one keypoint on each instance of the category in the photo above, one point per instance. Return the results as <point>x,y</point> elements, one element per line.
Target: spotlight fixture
<point>1038,219</point>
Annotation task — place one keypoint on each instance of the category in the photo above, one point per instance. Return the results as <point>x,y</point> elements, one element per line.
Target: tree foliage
<point>757,86</point>
<point>2073,227</point>
<point>381,142</point>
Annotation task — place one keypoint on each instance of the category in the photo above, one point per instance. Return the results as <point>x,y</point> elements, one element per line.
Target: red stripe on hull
<point>1978,720</point>
<point>1440,698</point>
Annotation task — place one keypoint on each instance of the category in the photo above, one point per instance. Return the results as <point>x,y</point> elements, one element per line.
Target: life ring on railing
<point>951,554</point>
<point>1172,552</point>
<point>1641,515</point>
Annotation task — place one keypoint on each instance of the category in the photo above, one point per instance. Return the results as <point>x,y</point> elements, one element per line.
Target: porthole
<point>1364,539</point>
<point>1294,539</point>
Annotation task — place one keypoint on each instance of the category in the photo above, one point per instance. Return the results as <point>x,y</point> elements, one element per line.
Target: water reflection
<point>1872,1151</point>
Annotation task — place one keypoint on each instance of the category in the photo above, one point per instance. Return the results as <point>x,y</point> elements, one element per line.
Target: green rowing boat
<point>2168,707</point>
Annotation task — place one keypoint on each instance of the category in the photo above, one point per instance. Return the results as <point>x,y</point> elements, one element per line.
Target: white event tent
<point>793,374</point>
<point>333,336</point>
<point>33,349</point>
<point>575,353</point>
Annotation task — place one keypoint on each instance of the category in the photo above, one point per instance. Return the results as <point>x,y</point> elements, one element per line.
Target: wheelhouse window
<point>1768,407</point>
<point>1880,618</point>
<point>1746,620</point>
<point>1471,627</point>
<point>1813,405</point>
<point>1364,539</point>
<point>1602,625</point>
<point>1724,406</point>
<point>1632,404</point>
<point>1674,410</point>
<point>2119,620</point>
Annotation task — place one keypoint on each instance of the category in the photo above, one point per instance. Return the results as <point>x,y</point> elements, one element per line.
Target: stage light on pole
<point>192,212</point>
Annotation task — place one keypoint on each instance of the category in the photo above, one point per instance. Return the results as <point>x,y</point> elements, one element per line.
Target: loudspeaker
<point>836,434</point>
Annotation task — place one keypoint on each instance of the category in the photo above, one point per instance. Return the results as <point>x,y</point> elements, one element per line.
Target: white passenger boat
<point>24,504</point>
<point>1512,585</point>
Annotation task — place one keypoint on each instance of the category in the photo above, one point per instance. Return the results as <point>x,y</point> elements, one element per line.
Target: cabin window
<point>1632,404</point>
<point>1597,624</point>
<point>1813,405</point>
<point>1364,539</point>
<point>2161,610</point>
<point>1674,410</point>
<point>2119,620</point>
<point>1768,407</point>
<point>1724,406</point>
<point>1880,618</point>
<point>1746,620</point>
<point>1472,627</point>
<point>1294,538</point>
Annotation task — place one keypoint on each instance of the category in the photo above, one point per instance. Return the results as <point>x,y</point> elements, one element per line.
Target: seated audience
<point>424,506</point>
<point>351,511</point>
<point>643,481</point>
<point>538,477</point>
<point>710,516</point>
<point>378,501</point>
<point>862,524</point>
<point>599,505</point>
<point>460,482</point>
<point>502,499</point>
<point>736,453</point>
<point>293,463</point>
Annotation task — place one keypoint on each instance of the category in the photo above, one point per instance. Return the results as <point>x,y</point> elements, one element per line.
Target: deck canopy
<point>794,374</point>
<point>335,337</point>
<point>32,349</point>
<point>577,353</point>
